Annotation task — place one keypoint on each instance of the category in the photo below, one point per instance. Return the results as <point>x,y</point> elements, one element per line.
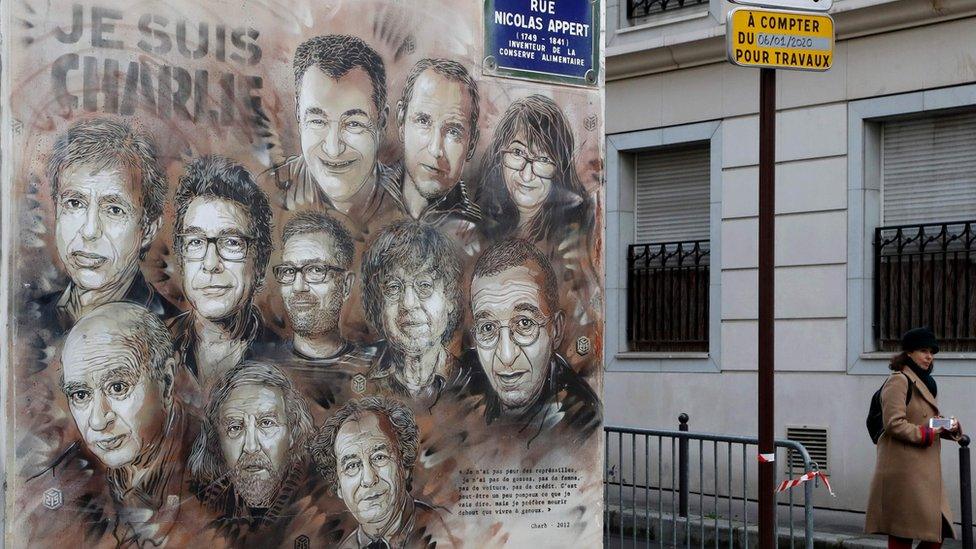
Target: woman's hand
<point>952,433</point>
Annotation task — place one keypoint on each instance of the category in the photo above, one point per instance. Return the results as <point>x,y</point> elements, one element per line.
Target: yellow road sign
<point>780,39</point>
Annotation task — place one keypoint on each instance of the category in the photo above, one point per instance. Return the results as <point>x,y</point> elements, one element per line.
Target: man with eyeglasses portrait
<point>411,275</point>
<point>223,242</point>
<point>316,279</point>
<point>517,329</point>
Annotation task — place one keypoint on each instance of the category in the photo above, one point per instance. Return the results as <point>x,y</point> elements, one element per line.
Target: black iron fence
<point>667,296</point>
<point>682,488</point>
<point>925,275</point>
<point>643,8</point>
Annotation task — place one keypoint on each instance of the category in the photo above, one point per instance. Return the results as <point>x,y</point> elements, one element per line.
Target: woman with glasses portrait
<point>530,187</point>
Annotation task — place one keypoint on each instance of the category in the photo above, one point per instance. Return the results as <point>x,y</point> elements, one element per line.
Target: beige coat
<point>908,498</point>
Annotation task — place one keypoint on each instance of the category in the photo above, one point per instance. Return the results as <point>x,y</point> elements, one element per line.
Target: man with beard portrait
<point>249,463</point>
<point>316,279</point>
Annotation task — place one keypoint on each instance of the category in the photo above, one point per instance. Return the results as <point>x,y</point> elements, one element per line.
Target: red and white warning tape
<point>787,484</point>
<point>767,458</point>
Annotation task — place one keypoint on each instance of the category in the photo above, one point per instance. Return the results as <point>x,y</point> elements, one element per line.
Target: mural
<point>298,274</point>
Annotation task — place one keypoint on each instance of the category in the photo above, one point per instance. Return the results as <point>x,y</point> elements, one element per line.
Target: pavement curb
<point>689,532</point>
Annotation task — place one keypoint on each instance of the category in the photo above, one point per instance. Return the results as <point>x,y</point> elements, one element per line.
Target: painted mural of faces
<point>416,309</point>
<point>255,440</point>
<point>118,407</point>
<point>314,284</point>
<point>218,270</point>
<point>108,193</point>
<point>372,482</point>
<point>438,126</point>
<point>516,330</point>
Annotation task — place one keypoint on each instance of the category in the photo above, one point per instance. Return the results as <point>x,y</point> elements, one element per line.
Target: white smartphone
<point>940,423</point>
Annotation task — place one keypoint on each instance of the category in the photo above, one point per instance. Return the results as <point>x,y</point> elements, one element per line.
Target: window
<point>912,142</point>
<point>641,167</point>
<point>640,12</point>
<point>672,194</point>
<point>929,169</point>
<point>925,248</point>
<point>668,264</point>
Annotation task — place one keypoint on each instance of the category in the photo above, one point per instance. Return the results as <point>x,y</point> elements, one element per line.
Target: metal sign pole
<point>767,200</point>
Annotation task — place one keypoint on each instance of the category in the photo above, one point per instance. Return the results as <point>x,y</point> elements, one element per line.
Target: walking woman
<point>908,501</point>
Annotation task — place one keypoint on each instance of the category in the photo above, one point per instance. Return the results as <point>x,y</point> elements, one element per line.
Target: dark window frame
<point>668,294</point>
<point>925,275</point>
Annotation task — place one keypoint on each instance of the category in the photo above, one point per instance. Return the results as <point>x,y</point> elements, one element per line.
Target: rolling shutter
<point>929,169</point>
<point>672,194</point>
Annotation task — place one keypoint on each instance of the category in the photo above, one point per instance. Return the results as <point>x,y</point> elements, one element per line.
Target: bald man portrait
<point>125,471</point>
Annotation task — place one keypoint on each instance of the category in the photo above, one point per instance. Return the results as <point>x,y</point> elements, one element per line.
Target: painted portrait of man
<point>249,463</point>
<point>412,297</point>
<point>316,278</point>
<point>517,329</point>
<point>366,453</point>
<point>340,96</point>
<point>117,374</point>
<point>223,241</point>
<point>437,117</point>
<point>109,192</point>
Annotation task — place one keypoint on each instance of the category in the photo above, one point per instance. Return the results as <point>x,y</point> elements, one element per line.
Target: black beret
<point>919,338</point>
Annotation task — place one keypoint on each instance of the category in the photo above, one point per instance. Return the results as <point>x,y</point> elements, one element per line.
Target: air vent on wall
<point>814,439</point>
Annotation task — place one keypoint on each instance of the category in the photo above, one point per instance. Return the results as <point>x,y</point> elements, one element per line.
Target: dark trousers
<point>905,543</point>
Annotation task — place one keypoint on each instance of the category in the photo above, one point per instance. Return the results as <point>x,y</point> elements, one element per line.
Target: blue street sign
<point>549,40</point>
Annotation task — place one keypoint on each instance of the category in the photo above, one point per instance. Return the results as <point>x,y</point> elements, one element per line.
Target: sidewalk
<point>832,529</point>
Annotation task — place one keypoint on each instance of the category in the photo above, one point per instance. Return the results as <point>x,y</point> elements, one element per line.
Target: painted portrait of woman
<point>530,188</point>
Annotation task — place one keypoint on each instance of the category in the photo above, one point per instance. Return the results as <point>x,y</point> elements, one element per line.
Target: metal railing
<point>925,275</point>
<point>667,296</point>
<point>643,8</point>
<point>725,511</point>
<point>675,506</point>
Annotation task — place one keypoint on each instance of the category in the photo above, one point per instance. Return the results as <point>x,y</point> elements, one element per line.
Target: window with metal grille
<point>668,266</point>
<point>815,440</point>
<point>925,250</point>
